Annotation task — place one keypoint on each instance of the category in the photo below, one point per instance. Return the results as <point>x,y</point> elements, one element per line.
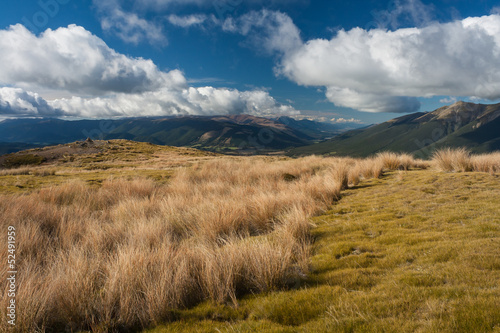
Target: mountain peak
<point>460,111</point>
<point>461,104</point>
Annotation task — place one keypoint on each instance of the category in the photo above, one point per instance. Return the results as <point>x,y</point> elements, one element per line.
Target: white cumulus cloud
<point>385,71</point>
<point>346,121</point>
<point>189,101</point>
<point>16,101</point>
<point>448,100</point>
<point>379,70</point>
<point>73,59</point>
<point>104,83</point>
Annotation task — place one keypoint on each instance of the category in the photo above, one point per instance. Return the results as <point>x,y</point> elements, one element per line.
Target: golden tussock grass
<point>486,162</point>
<point>130,254</point>
<point>403,161</point>
<point>375,166</point>
<point>461,160</point>
<point>414,251</point>
<point>127,254</point>
<point>39,172</point>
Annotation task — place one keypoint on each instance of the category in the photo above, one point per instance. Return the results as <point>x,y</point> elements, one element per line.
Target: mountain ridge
<point>462,124</point>
<point>226,133</point>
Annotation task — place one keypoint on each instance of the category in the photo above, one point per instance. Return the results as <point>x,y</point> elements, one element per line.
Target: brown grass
<point>126,254</point>
<point>393,161</point>
<point>461,160</point>
<point>129,253</point>
<point>486,163</point>
<point>16,171</point>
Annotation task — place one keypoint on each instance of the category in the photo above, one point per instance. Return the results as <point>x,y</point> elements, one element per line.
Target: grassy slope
<point>416,251</point>
<point>482,140</point>
<point>120,158</point>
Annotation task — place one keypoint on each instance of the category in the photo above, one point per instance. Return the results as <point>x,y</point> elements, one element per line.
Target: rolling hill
<point>475,126</point>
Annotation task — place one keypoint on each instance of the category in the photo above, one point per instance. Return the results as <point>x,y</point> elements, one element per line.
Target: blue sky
<point>366,61</point>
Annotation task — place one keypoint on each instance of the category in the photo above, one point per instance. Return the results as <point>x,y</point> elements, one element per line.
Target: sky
<point>360,61</point>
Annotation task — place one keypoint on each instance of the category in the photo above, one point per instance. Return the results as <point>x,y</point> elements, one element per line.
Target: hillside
<point>474,126</point>
<point>231,133</point>
<point>93,163</point>
<point>147,238</point>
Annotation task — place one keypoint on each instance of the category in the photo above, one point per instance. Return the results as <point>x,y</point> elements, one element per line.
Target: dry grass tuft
<point>461,160</point>
<point>486,162</point>
<point>389,160</point>
<point>393,161</point>
<point>16,172</point>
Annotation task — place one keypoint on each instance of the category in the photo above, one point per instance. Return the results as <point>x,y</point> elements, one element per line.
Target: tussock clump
<point>393,161</point>
<point>16,172</point>
<point>389,160</point>
<point>453,160</point>
<point>366,169</point>
<point>341,174</point>
<point>406,161</point>
<point>486,162</point>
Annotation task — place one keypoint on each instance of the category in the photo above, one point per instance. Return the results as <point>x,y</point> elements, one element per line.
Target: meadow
<point>175,240</point>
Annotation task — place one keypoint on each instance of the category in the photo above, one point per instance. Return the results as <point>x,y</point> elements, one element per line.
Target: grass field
<point>414,251</point>
<point>138,237</point>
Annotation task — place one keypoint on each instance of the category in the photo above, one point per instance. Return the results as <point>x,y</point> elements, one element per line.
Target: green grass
<point>415,251</point>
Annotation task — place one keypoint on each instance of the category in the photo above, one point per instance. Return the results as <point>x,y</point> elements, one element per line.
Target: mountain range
<point>216,133</point>
<point>470,125</point>
<point>474,126</point>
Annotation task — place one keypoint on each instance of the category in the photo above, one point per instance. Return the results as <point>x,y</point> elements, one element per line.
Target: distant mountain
<point>218,133</point>
<point>240,132</point>
<point>315,129</point>
<point>475,126</point>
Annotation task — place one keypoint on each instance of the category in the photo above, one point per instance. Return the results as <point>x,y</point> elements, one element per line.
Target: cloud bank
<point>105,83</point>
<point>188,101</point>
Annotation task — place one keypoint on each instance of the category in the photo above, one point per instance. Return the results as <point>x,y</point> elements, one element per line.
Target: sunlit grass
<point>414,251</point>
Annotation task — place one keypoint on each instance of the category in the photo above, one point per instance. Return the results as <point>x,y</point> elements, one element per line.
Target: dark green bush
<point>15,161</point>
